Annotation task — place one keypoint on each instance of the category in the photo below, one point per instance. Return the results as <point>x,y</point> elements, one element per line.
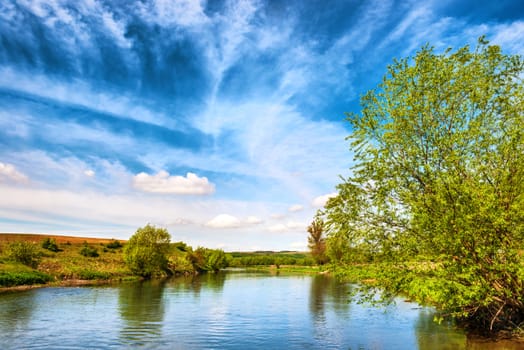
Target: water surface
<point>220,311</point>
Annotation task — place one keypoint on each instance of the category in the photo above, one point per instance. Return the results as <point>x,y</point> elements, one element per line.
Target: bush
<point>25,253</point>
<point>212,260</point>
<point>92,275</point>
<point>180,264</point>
<point>10,279</point>
<point>50,244</point>
<point>146,252</point>
<point>114,244</point>
<point>88,251</point>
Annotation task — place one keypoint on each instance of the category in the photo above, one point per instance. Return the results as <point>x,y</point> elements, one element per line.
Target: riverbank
<point>66,258</point>
<point>70,261</point>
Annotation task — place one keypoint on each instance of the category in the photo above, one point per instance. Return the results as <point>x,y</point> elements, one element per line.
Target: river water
<point>220,311</point>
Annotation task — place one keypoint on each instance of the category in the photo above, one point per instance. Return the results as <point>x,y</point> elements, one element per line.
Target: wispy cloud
<point>295,208</point>
<point>290,226</point>
<point>8,172</point>
<point>105,105</point>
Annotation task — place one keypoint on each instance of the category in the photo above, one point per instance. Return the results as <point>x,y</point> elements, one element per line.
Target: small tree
<point>50,244</point>
<point>316,241</point>
<point>146,253</point>
<point>25,253</point>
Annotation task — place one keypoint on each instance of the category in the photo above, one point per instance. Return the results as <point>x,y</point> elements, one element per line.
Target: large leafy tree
<point>439,177</point>
<point>146,253</point>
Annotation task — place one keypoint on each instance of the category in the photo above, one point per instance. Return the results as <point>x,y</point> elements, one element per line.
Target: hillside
<point>38,237</point>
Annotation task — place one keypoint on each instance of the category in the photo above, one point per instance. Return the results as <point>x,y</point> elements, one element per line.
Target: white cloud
<point>224,221</point>
<point>10,173</point>
<point>116,29</point>
<point>184,13</point>
<point>89,173</point>
<point>290,226</point>
<point>277,228</point>
<point>163,183</point>
<point>83,95</point>
<point>509,37</point>
<point>253,220</point>
<point>320,201</point>
<point>296,207</point>
<point>180,222</point>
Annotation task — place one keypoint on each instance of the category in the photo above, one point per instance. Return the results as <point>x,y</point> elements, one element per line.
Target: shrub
<point>92,275</point>
<point>25,253</point>
<point>114,244</point>
<point>212,260</point>
<point>10,279</point>
<point>50,244</point>
<point>88,251</point>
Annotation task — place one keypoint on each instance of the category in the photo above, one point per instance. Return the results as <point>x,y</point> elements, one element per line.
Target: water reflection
<point>325,292</point>
<point>219,311</point>
<point>16,310</point>
<point>195,284</point>
<point>142,309</point>
<point>434,336</point>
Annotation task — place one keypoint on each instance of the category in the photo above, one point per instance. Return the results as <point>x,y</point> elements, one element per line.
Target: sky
<point>222,121</point>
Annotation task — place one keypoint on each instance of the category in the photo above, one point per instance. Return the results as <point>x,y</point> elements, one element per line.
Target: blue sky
<point>222,121</point>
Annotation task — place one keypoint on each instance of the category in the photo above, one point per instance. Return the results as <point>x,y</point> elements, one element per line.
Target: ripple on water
<point>234,311</point>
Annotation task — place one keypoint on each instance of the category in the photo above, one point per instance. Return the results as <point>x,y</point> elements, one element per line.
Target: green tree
<point>212,260</point>
<point>317,242</point>
<point>89,251</point>
<point>25,253</point>
<point>146,253</point>
<point>439,175</point>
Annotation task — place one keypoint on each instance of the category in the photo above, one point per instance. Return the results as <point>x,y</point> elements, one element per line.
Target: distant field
<point>36,237</point>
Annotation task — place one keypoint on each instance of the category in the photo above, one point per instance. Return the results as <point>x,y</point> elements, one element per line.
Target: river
<point>234,310</point>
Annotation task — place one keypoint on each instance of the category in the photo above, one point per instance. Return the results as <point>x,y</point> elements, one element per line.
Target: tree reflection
<point>16,310</point>
<point>142,309</point>
<point>434,336</point>
<point>327,292</point>
<point>195,283</point>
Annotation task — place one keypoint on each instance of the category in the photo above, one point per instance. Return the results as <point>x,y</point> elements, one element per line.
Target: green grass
<point>66,264</point>
<point>11,279</point>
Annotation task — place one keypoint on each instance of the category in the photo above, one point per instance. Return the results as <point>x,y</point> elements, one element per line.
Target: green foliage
<point>84,274</point>
<point>181,246</point>
<point>11,279</point>
<point>212,260</point>
<point>114,244</point>
<point>181,264</point>
<point>25,253</point>
<point>50,244</point>
<point>146,253</point>
<point>89,251</point>
<point>439,176</point>
<point>239,259</point>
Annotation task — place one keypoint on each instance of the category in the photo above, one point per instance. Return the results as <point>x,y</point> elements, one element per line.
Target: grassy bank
<point>68,263</point>
<point>67,260</point>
